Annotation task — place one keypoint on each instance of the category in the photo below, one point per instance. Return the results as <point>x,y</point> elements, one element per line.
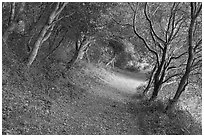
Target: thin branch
<point>199,10</point>
<point>178,21</point>
<point>155,10</point>
<point>146,45</point>
<point>176,67</point>
<point>54,22</point>
<point>151,26</point>
<point>176,32</point>
<point>131,7</point>
<point>55,13</point>
<point>197,63</point>
<point>169,22</point>
<point>172,26</point>
<point>198,43</point>
<point>170,77</point>
<point>156,43</point>
<point>60,10</point>
<point>175,57</point>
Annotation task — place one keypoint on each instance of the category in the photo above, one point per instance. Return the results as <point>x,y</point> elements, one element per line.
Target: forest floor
<point>92,100</point>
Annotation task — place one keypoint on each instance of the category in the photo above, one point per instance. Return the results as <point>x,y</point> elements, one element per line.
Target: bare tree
<point>160,45</point>
<point>194,60</point>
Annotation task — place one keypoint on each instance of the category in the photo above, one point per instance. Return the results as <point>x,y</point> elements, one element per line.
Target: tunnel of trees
<point>166,36</point>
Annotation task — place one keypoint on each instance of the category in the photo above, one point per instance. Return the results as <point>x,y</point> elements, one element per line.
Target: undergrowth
<point>153,120</point>
<point>28,95</point>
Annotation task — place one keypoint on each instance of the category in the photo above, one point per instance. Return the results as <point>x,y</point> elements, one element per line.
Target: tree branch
<point>156,43</point>
<point>151,26</point>
<point>169,22</point>
<point>176,32</point>
<point>196,63</point>
<point>62,7</point>
<point>198,43</point>
<point>146,45</point>
<point>131,7</point>
<point>170,77</point>
<point>198,11</point>
<point>54,22</point>
<point>175,57</point>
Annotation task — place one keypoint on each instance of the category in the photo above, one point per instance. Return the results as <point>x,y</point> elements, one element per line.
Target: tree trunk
<point>184,80</point>
<point>150,81</point>
<point>159,75</point>
<point>44,34</point>
<point>37,45</point>
<point>73,60</point>
<point>157,87</point>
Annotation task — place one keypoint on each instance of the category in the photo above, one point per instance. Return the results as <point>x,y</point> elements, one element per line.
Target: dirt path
<point>107,109</point>
<point>110,84</point>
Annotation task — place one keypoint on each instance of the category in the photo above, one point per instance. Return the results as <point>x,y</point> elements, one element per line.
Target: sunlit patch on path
<point>114,85</point>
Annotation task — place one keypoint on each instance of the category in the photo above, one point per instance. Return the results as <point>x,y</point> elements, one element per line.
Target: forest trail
<point>116,85</point>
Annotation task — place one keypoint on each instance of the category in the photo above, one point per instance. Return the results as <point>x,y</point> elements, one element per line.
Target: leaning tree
<point>193,64</point>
